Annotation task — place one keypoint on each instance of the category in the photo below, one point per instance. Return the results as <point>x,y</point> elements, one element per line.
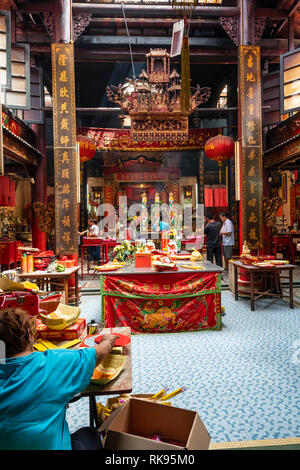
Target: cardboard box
<point>126,427</point>
<point>72,332</point>
<point>143,260</point>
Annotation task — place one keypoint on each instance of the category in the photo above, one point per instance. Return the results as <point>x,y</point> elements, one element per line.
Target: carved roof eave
<point>33,156</point>
<point>282,152</point>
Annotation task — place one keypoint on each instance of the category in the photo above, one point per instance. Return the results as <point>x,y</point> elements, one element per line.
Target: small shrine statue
<point>245,250</point>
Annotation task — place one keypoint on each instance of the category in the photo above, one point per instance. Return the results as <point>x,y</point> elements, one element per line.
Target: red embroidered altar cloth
<point>156,303</point>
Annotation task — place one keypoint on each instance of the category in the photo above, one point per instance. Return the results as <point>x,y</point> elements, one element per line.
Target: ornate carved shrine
<point>153,101</point>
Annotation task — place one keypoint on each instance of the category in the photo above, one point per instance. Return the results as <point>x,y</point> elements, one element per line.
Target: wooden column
<point>291,33</point>
<point>250,133</point>
<point>64,132</point>
<point>39,188</point>
<point>63,24</point>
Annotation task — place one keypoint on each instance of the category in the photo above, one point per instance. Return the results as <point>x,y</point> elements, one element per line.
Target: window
<point>222,101</point>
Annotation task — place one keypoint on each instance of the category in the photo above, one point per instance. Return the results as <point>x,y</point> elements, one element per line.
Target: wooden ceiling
<point>102,52</point>
<point>150,25</point>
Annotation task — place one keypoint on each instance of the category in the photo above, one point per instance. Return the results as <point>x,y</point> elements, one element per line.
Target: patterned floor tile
<point>243,381</point>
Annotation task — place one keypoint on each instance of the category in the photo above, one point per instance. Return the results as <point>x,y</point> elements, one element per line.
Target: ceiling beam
<point>151,41</point>
<point>148,41</point>
<point>143,11</point>
<point>151,10</point>
<point>293,8</point>
<point>271,13</point>
<point>37,7</point>
<point>150,22</point>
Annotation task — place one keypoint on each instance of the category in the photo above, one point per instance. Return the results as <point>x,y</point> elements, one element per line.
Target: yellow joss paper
<point>39,347</point>
<point>30,285</point>
<point>109,369</point>
<point>47,344</point>
<point>70,344</point>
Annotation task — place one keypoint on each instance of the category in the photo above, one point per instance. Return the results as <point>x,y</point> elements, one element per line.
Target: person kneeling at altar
<point>92,232</point>
<point>36,387</point>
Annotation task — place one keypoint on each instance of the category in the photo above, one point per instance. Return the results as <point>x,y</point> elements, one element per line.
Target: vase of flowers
<point>124,252</point>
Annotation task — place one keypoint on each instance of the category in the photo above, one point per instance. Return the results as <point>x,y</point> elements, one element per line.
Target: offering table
<point>150,301</point>
<point>263,273</point>
<point>44,279</point>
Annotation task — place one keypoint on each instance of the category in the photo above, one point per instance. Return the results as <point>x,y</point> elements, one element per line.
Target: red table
<point>262,273</point>
<point>105,246</point>
<point>148,301</point>
<point>86,242</point>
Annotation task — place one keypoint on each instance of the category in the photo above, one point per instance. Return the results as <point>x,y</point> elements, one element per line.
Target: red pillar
<point>39,188</point>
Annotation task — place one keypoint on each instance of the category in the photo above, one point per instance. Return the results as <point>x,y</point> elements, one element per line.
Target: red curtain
<point>208,197</point>
<point>220,197</point>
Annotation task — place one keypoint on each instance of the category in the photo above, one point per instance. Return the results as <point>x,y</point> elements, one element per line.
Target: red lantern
<point>219,148</point>
<point>87,148</point>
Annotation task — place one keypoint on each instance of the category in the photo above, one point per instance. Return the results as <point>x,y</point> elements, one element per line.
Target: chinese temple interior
<point>106,98</point>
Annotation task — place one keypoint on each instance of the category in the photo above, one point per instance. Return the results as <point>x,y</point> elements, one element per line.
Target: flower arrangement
<point>124,252</point>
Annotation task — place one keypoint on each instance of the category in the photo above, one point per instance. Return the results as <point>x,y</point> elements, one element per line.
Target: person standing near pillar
<point>213,241</point>
<point>227,232</point>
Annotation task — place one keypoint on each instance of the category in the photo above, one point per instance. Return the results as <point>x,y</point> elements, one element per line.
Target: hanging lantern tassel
<point>185,76</point>
<point>220,171</point>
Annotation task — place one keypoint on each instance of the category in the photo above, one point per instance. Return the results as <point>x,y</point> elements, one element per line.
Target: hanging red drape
<point>208,197</point>
<point>223,197</point>
<point>216,197</point>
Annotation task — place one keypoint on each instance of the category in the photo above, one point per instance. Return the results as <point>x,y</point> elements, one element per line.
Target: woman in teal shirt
<point>35,388</point>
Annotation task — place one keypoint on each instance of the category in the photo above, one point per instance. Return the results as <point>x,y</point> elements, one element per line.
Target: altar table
<point>149,301</point>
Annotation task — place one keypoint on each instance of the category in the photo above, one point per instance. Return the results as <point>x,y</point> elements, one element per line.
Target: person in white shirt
<point>92,232</point>
<point>227,232</point>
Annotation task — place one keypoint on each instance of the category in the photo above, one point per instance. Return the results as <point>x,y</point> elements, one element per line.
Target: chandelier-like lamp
<point>219,148</point>
<point>153,101</point>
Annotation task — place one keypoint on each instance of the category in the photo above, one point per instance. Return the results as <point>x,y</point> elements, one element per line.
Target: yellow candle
<point>160,394</point>
<point>173,394</point>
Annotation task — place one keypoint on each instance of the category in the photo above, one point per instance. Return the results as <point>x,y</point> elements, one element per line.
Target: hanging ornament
<point>87,148</point>
<point>219,148</point>
<point>185,76</point>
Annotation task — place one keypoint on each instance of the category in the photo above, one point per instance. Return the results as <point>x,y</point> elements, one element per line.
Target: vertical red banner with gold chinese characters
<point>64,134</point>
<point>251,133</point>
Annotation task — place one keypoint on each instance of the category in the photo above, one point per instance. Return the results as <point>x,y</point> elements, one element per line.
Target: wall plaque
<point>251,123</point>
<point>65,155</point>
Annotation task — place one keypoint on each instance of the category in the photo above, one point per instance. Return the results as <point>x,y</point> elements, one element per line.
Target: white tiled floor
<point>243,380</point>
